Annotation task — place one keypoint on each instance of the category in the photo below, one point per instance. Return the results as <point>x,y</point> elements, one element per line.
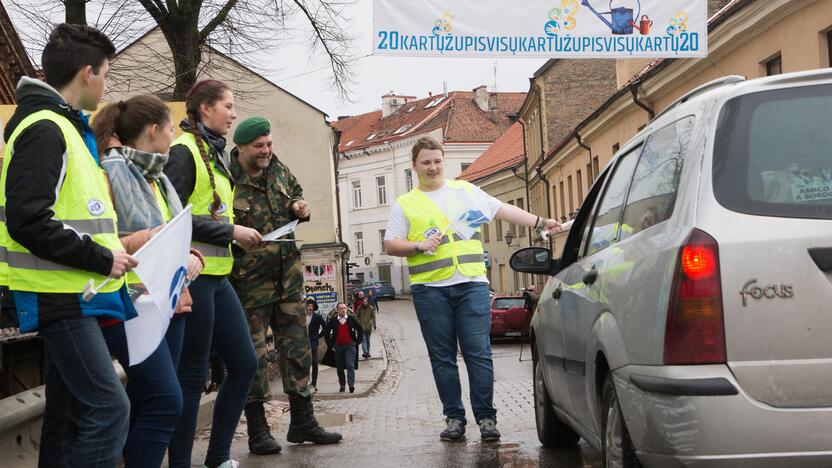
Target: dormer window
<point>371,137</point>
<point>402,129</point>
<point>349,143</point>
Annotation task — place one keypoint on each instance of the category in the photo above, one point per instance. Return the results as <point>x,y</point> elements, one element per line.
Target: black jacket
<point>34,175</point>
<point>316,329</point>
<point>332,330</point>
<point>181,171</point>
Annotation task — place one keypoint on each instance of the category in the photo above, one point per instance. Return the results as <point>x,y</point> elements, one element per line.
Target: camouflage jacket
<point>262,275</point>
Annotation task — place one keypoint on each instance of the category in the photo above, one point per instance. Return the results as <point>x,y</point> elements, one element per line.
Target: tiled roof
<point>14,63</point>
<point>506,152</point>
<point>458,115</point>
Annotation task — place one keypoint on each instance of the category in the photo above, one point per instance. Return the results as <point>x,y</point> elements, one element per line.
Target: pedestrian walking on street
<point>60,233</point>
<point>269,282</point>
<point>371,296</point>
<point>315,325</point>
<point>449,286</point>
<point>366,315</point>
<point>198,167</point>
<point>134,138</point>
<point>343,334</point>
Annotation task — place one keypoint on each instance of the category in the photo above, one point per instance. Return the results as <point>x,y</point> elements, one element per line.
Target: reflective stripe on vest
<point>218,260</point>
<point>83,204</point>
<point>4,266</point>
<point>454,253</point>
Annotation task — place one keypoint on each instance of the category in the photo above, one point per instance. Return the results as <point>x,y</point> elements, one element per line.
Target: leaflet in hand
<point>280,232</point>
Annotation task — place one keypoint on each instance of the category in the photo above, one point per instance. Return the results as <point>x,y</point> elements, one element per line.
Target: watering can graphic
<point>622,18</point>
<point>643,26</point>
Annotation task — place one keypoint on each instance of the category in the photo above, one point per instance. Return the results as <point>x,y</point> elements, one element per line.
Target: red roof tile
<point>506,152</point>
<point>458,115</point>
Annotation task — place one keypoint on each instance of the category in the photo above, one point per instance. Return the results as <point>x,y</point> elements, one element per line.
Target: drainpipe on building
<point>526,174</point>
<point>634,92</point>
<point>584,146</point>
<point>545,180</point>
<point>345,253</point>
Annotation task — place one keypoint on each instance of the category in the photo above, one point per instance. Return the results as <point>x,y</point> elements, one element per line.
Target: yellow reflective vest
<point>83,204</point>
<point>218,260</point>
<point>454,253</point>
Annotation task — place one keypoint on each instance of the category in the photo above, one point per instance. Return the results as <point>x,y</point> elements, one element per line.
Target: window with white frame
<point>356,194</point>
<point>381,189</point>
<point>408,179</point>
<point>381,233</point>
<point>359,243</point>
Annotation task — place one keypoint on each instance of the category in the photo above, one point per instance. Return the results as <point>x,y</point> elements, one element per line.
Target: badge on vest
<point>95,207</point>
<point>432,232</point>
<point>222,208</point>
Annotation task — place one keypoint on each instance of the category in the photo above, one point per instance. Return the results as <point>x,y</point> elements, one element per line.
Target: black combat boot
<point>304,427</point>
<point>260,440</point>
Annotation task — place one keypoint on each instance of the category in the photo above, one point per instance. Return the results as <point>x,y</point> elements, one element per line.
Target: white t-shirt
<point>398,226</point>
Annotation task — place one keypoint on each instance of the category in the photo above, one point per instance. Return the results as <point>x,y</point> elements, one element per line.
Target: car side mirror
<point>534,260</point>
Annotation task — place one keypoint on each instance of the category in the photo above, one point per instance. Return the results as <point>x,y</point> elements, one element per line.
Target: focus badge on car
<point>771,291</point>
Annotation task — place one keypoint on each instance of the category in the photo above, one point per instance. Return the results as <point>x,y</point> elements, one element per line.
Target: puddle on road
<point>333,419</point>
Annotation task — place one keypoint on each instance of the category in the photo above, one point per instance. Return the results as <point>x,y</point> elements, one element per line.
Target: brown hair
<point>126,120</point>
<point>425,143</point>
<point>206,92</point>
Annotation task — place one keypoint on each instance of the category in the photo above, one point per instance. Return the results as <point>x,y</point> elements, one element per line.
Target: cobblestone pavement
<point>396,424</point>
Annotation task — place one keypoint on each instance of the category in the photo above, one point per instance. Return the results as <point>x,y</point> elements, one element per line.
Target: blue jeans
<point>155,395</point>
<point>458,313</point>
<point>345,358</point>
<point>87,412</point>
<point>365,342</point>
<point>217,315</point>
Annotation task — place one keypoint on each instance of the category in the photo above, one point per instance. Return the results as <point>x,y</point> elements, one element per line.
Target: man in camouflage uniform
<point>269,281</point>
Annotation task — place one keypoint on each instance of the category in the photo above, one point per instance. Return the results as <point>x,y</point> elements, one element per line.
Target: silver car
<point>688,321</point>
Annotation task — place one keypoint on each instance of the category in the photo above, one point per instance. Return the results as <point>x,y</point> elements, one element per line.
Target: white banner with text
<point>537,28</point>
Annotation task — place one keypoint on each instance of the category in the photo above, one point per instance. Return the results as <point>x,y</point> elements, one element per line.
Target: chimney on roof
<point>482,98</point>
<point>390,103</point>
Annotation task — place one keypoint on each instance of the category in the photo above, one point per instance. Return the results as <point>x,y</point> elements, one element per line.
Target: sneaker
<point>488,430</point>
<point>454,432</point>
<point>227,464</point>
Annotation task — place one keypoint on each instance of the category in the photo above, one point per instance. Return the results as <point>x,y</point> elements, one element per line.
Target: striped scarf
<point>129,171</point>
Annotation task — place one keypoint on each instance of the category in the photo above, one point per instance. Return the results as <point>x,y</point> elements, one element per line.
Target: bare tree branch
<point>218,19</point>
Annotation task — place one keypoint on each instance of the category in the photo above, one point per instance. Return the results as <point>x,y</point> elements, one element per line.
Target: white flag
<point>466,211</point>
<point>163,266</point>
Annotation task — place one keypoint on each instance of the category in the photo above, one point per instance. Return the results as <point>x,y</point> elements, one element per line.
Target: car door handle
<point>591,276</point>
<point>557,292</point>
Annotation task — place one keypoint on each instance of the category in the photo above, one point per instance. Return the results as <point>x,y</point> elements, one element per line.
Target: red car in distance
<point>510,317</point>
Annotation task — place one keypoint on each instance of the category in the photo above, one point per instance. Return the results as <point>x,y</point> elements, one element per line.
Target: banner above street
<point>541,28</point>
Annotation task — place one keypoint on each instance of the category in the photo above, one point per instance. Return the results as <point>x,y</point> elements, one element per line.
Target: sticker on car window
<point>810,184</point>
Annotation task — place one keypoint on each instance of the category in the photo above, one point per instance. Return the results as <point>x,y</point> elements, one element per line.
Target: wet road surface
<point>397,423</point>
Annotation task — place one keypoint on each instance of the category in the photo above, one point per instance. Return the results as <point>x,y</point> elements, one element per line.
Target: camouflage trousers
<point>291,341</point>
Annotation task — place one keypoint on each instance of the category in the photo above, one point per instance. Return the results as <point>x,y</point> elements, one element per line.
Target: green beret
<point>251,128</point>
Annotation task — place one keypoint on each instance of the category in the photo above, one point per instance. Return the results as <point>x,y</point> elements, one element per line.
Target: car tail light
<point>695,330</point>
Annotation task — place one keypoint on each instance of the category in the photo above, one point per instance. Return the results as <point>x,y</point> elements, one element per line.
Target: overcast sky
<point>378,75</point>
<point>308,77</point>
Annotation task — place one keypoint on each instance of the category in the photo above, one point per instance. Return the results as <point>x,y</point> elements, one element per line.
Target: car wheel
<point>617,448</point>
<point>551,431</point>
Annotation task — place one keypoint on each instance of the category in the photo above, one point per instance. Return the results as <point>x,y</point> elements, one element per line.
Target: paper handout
<point>280,232</point>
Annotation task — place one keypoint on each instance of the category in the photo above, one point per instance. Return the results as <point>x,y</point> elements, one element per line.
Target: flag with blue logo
<point>163,266</point>
<point>467,210</point>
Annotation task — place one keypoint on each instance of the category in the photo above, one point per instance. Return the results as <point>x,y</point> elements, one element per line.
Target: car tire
<point>617,449</point>
<point>551,431</point>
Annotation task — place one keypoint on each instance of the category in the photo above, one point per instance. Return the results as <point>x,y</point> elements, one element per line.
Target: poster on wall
<point>541,28</point>
<point>319,283</point>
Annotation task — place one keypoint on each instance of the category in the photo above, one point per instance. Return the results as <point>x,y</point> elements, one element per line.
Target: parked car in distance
<point>509,317</point>
<point>381,289</point>
<point>687,321</point>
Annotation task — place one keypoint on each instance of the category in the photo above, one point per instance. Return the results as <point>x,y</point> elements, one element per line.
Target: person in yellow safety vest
<point>449,287</point>
<point>134,138</point>
<point>60,233</point>
<point>199,169</point>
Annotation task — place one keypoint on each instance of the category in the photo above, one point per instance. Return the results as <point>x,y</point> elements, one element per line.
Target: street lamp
<point>508,236</point>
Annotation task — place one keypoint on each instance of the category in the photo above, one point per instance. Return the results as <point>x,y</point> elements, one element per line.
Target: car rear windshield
<point>509,302</point>
<point>772,153</point>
